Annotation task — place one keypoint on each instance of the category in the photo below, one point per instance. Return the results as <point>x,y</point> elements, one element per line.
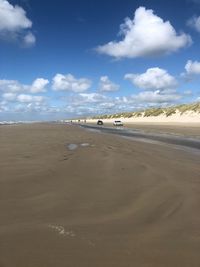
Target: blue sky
<point>64,59</point>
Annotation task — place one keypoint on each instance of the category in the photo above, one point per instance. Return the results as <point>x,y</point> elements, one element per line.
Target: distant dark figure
<point>99,122</point>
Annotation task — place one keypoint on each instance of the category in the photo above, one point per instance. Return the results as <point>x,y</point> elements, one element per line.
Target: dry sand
<point>188,117</point>
<point>111,202</point>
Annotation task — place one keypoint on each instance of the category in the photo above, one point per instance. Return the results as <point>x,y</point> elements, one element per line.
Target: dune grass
<point>169,111</point>
<point>153,112</point>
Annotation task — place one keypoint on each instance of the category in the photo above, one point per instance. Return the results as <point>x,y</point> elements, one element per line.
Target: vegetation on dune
<point>189,107</point>
<point>137,114</point>
<point>169,111</point>
<point>153,112</point>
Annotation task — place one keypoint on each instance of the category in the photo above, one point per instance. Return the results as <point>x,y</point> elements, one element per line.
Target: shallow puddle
<point>85,144</point>
<point>72,146</point>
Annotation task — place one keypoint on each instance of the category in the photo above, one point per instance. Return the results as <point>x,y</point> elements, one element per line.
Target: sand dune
<point>112,202</point>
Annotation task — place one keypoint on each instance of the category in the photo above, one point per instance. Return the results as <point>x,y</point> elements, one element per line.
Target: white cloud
<point>13,86</point>
<point>12,18</point>
<point>13,22</point>
<point>155,97</point>
<point>192,69</point>
<point>107,105</point>
<point>105,85</point>
<point>25,98</point>
<point>3,106</point>
<point>145,35</point>
<point>9,96</point>
<point>146,98</point>
<point>69,83</point>
<point>194,23</point>
<point>87,99</point>
<point>160,86</point>
<point>95,103</point>
<point>29,107</point>
<point>29,39</point>
<point>89,103</point>
<point>20,98</point>
<point>92,98</point>
<point>39,85</point>
<point>153,79</point>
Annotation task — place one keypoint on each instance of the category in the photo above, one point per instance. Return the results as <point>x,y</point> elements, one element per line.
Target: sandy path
<point>114,202</point>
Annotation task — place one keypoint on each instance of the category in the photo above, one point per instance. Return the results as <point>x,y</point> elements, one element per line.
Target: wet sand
<point>191,129</point>
<point>182,129</point>
<point>104,202</point>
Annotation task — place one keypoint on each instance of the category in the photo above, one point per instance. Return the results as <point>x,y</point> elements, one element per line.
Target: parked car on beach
<point>117,123</point>
<point>99,122</point>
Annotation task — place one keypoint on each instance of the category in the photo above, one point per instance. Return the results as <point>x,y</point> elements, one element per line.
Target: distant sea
<point>28,122</point>
<point>15,122</point>
<point>8,122</point>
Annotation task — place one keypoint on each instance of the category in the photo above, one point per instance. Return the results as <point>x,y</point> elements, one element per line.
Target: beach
<point>174,128</point>
<point>72,197</point>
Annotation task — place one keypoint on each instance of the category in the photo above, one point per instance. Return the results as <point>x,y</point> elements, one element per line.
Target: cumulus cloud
<point>9,96</point>
<point>95,103</point>
<point>29,39</point>
<point>89,103</point>
<point>159,88</point>
<point>105,85</point>
<point>155,97</point>
<point>13,18</point>
<point>84,98</point>
<point>13,86</point>
<point>194,23</point>
<point>17,97</point>
<point>14,22</point>
<point>146,98</point>
<point>153,79</point>
<point>145,35</point>
<point>39,85</point>
<point>192,67</point>
<point>159,85</point>
<point>69,83</point>
<point>19,102</point>
<point>192,70</point>
<point>25,98</point>
<point>30,107</point>
<point>3,106</point>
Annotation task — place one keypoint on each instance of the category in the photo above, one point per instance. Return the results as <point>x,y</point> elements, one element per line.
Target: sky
<point>75,58</point>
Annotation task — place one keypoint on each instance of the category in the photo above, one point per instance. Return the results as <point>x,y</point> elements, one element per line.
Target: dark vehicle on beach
<point>99,122</point>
